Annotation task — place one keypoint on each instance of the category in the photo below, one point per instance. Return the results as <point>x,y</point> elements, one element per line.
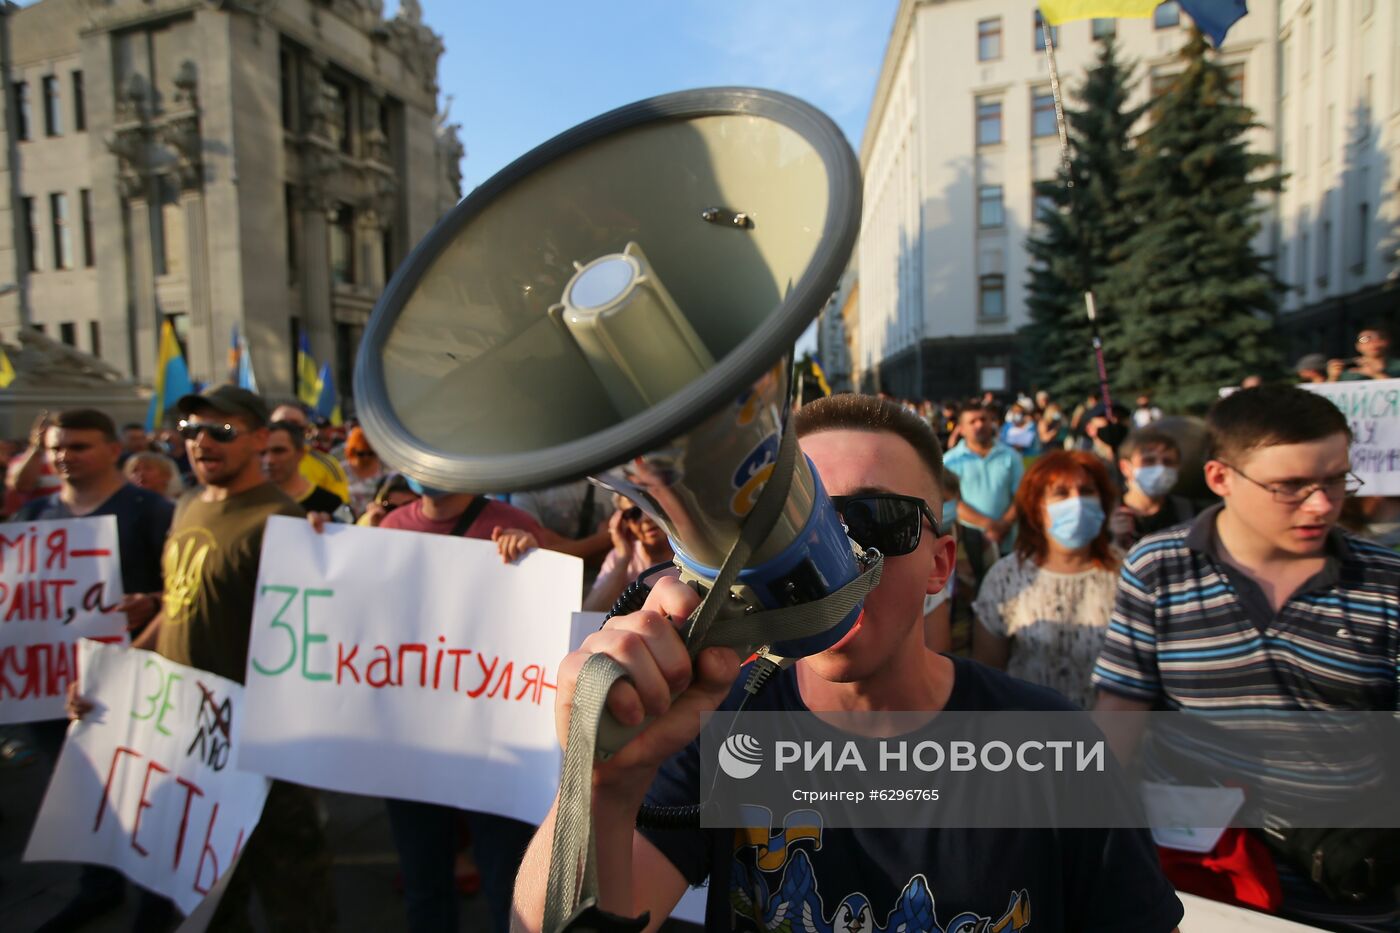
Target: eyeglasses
<point>634,514</point>
<point>1298,491</point>
<point>889,523</point>
<point>360,454</point>
<point>223,433</point>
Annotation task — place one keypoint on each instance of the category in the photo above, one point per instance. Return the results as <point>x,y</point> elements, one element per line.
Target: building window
<point>1166,15</point>
<point>31,236</point>
<point>288,64</point>
<point>338,120</point>
<point>989,40</point>
<point>85,208</point>
<point>22,114</point>
<point>1304,244</point>
<point>53,116</point>
<point>1040,33</point>
<point>991,296</point>
<point>988,122</point>
<point>68,333</point>
<point>1324,248</point>
<point>79,103</point>
<point>1043,205</point>
<point>293,233</point>
<point>342,233</point>
<point>1363,235</point>
<point>95,339</point>
<point>991,208</point>
<point>38,328</point>
<point>1042,114</point>
<point>62,231</point>
<point>1104,27</point>
<point>1234,81</point>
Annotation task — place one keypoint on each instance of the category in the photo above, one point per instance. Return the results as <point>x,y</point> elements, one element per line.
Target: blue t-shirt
<point>988,484</point>
<point>143,520</point>
<point>917,880</point>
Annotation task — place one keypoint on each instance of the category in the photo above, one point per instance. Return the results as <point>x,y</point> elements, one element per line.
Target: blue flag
<point>1215,17</point>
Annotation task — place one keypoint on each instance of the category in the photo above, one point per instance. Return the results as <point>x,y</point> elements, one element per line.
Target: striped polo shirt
<point>1183,636</point>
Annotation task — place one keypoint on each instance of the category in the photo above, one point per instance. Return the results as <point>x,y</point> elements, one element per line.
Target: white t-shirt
<point>1056,622</point>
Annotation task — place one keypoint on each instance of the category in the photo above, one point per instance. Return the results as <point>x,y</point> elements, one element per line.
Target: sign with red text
<point>146,781</point>
<point>60,581</point>
<point>407,665</point>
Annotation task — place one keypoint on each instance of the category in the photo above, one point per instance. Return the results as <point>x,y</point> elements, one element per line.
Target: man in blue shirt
<point>989,473</point>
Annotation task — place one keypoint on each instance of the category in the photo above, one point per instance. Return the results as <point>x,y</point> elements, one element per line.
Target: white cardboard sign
<point>415,666</point>
<point>60,581</point>
<point>146,781</point>
<point>1372,407</point>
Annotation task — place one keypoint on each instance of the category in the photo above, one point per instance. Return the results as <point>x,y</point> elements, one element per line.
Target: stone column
<point>206,362</point>
<point>146,322</point>
<point>316,277</point>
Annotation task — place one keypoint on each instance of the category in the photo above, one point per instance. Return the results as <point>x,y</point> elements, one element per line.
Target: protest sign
<point>407,665</point>
<point>1372,407</point>
<point>59,581</point>
<point>146,781</point>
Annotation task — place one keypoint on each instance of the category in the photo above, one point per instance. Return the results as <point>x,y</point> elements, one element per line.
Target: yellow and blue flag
<point>1058,12</point>
<point>308,378</point>
<point>7,369</point>
<point>327,405</point>
<point>172,377</point>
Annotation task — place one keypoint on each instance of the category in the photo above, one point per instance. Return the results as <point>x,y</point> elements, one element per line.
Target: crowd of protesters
<point>1047,577</point>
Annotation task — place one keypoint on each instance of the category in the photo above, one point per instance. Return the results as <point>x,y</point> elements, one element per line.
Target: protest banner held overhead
<point>439,687</point>
<point>146,781</point>
<point>1372,407</point>
<point>60,581</point>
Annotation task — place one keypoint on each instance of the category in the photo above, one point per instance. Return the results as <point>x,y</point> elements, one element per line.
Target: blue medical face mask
<point>429,491</point>
<point>1156,480</point>
<point>1075,522</point>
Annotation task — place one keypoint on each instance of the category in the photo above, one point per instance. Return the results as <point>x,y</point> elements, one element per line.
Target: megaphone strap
<point>791,622</point>
<point>572,879</point>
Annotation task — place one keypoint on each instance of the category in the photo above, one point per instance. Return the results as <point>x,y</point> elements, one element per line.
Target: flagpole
<point>1062,127</point>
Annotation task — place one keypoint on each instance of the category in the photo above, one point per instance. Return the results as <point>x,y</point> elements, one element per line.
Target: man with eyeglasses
<point>882,466</point>
<point>1263,602</point>
<point>1372,361</point>
<point>210,566</point>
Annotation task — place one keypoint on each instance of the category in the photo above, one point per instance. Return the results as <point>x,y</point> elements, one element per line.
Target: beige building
<point>242,163</point>
<point>961,128</point>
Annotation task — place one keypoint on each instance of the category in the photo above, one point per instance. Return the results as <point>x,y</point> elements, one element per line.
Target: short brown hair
<point>1269,416</point>
<point>87,419</point>
<point>849,412</point>
<point>1146,437</point>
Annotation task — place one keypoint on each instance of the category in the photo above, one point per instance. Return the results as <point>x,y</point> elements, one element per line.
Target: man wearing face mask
<point>1149,461</point>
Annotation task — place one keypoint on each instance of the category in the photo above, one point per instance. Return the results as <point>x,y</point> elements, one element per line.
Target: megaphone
<point>618,303</point>
<point>622,303</point>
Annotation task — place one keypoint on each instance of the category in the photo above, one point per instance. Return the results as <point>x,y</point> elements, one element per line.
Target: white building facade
<point>961,129</point>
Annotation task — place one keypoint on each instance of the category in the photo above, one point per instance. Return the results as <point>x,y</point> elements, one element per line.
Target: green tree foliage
<point>1074,245</point>
<point>1194,303</point>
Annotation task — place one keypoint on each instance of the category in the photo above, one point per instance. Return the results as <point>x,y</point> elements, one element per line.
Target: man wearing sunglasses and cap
<point>210,565</point>
<point>882,466</point>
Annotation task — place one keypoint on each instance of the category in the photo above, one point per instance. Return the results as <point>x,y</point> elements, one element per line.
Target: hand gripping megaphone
<point>621,303</point>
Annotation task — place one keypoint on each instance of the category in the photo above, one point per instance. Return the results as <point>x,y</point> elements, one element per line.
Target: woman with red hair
<point>1043,610</point>
<point>364,468</point>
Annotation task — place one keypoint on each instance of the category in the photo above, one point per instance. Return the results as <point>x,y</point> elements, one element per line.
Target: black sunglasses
<point>634,514</point>
<point>889,523</point>
<point>223,433</point>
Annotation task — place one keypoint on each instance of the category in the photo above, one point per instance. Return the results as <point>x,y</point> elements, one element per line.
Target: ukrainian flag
<point>308,379</point>
<point>172,378</point>
<point>1057,12</point>
<point>7,369</point>
<point>327,406</point>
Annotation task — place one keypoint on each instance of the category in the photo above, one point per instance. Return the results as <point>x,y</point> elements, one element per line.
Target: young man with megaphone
<point>869,453</point>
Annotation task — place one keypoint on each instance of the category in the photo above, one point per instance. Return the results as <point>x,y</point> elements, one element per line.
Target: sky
<point>520,72</point>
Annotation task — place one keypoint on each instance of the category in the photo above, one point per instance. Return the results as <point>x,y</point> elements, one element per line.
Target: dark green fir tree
<point>1194,302</point>
<point>1078,230</point>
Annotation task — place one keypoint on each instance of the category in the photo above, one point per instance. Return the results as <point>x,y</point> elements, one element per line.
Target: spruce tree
<point>1194,302</point>
<point>1073,246</point>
